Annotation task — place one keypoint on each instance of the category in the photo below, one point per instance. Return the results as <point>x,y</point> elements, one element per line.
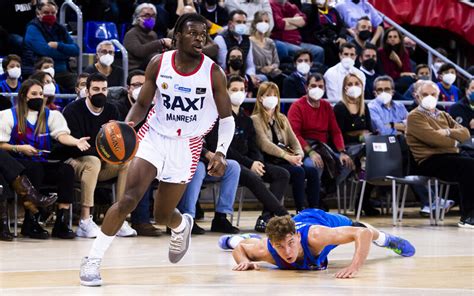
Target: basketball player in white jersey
<point>190,93</point>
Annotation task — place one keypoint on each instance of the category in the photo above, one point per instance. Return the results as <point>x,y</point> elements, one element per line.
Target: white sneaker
<point>446,203</point>
<point>126,230</point>
<point>180,241</point>
<point>87,229</point>
<point>90,273</point>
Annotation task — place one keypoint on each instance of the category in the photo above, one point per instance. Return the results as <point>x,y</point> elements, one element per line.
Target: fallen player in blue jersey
<point>304,242</point>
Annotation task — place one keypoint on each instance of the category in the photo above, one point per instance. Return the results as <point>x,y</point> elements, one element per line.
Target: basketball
<point>116,142</point>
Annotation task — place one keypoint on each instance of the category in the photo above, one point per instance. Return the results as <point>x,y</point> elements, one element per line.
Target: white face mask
<point>50,71</point>
<point>384,98</point>
<point>347,63</point>
<point>429,102</point>
<point>237,98</point>
<point>315,93</point>
<point>14,73</point>
<point>270,102</point>
<point>263,27</point>
<point>303,68</point>
<point>436,66</point>
<point>106,59</point>
<point>449,78</point>
<point>82,93</point>
<point>136,92</point>
<point>320,2</point>
<point>49,89</point>
<point>354,91</point>
<point>240,29</point>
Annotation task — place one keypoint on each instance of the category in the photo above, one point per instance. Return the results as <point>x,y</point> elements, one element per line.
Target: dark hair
<point>441,51</point>
<point>347,45</point>
<point>469,82</point>
<point>22,108</point>
<point>183,19</point>
<point>401,49</point>
<point>134,73</point>
<point>367,47</point>
<point>95,77</point>
<point>364,18</point>
<point>279,227</point>
<point>302,52</point>
<point>43,60</point>
<point>445,67</point>
<point>82,75</point>
<point>385,78</point>
<point>235,78</point>
<point>419,67</point>
<point>227,58</point>
<point>39,76</point>
<point>315,76</point>
<point>234,12</point>
<point>8,59</point>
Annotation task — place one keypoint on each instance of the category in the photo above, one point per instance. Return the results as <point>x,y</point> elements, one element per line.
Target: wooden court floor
<point>443,265</point>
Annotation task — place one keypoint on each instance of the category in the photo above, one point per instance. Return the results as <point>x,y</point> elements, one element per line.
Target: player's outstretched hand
<point>347,273</point>
<point>246,266</point>
<point>217,165</point>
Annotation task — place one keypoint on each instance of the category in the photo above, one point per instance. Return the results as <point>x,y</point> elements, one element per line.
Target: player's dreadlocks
<point>183,19</point>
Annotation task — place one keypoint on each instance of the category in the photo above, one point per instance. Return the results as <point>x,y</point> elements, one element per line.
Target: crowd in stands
<point>347,71</point>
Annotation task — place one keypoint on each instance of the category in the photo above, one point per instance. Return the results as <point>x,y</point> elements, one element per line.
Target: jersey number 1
<point>178,131</point>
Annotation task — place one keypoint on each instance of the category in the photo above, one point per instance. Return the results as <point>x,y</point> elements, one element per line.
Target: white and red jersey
<point>184,102</point>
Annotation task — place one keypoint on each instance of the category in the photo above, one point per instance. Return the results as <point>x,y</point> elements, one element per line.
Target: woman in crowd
<point>236,66</point>
<point>27,131</point>
<point>280,146</point>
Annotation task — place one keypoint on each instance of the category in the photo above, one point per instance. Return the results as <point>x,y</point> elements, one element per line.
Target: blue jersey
<point>304,220</point>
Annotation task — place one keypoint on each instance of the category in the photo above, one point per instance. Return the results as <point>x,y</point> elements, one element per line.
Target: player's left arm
<point>225,133</point>
<point>321,236</point>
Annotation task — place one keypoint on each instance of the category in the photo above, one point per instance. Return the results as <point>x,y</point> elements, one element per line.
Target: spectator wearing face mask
<point>46,64</point>
<point>80,88</point>
<point>422,72</point>
<point>335,75</point>
<point>251,7</point>
<point>105,53</point>
<point>11,65</point>
<point>352,10</point>
<point>46,38</point>
<point>294,86</point>
<point>141,41</point>
<point>362,34</point>
<point>437,63</point>
<point>265,55</point>
<point>235,35</point>
<point>433,137</point>
<point>49,88</point>
<point>324,27</point>
<point>463,110</point>
<point>288,20</point>
<point>236,66</point>
<point>448,91</point>
<point>368,63</point>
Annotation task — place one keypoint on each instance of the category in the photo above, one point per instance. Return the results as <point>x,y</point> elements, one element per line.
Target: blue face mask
<point>471,97</point>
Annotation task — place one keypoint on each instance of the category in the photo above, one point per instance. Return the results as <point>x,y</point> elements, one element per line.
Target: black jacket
<point>243,147</point>
<point>462,113</point>
<point>293,86</point>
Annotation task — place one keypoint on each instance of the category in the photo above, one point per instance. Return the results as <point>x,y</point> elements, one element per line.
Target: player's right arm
<point>248,253</point>
<point>139,110</point>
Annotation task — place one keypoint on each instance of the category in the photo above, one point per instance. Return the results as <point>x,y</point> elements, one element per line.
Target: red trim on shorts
<point>186,74</point>
<point>195,146</point>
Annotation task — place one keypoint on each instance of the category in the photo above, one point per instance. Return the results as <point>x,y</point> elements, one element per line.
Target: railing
<point>124,59</point>
<point>79,39</point>
<point>431,51</point>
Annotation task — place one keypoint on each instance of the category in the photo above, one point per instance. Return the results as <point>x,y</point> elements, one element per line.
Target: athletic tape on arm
<point>225,134</point>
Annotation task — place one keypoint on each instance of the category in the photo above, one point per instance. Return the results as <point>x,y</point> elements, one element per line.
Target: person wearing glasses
<point>105,53</point>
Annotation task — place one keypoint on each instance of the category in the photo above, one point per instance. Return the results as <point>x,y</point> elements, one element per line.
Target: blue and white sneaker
<point>222,242</point>
<point>399,245</point>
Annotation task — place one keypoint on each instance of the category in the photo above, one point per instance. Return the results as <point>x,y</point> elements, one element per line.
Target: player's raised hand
<point>347,273</point>
<point>217,165</point>
<point>246,266</point>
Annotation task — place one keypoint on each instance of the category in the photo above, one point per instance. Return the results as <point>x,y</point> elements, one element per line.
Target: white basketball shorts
<point>175,159</point>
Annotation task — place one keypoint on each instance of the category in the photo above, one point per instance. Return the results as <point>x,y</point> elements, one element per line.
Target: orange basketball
<point>116,142</point>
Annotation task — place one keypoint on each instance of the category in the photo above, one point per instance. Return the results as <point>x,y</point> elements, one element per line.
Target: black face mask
<point>236,64</point>
<point>98,100</point>
<point>35,104</point>
<point>365,35</point>
<point>211,2</point>
<point>369,64</point>
<point>411,51</point>
<point>395,48</point>
<point>356,1</point>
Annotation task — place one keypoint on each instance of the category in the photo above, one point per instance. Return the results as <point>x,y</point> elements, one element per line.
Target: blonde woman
<point>265,55</point>
<point>280,146</point>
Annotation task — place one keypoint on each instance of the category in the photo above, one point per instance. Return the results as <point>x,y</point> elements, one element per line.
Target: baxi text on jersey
<point>181,118</point>
<point>183,103</point>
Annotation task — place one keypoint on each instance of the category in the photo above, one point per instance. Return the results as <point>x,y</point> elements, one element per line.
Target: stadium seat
<point>96,32</point>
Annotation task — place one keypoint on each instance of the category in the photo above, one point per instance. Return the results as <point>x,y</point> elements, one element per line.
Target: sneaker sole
<point>465,225</point>
<point>91,284</point>
<point>178,258</point>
